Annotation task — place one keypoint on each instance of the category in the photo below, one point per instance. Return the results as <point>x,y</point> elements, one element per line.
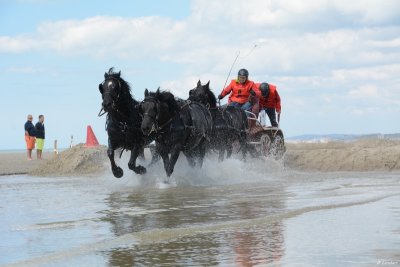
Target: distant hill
<point>319,138</point>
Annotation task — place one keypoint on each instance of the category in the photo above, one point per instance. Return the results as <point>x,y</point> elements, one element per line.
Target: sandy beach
<point>70,162</point>
<point>16,162</point>
<point>363,155</point>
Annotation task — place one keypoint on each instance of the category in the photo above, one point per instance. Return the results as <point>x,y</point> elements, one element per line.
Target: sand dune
<point>76,161</point>
<point>363,155</point>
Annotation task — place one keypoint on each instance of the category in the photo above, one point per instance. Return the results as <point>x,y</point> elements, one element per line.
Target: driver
<point>240,91</point>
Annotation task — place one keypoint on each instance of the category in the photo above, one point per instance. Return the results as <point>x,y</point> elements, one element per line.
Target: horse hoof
<point>118,172</point>
<point>140,170</point>
<point>170,173</point>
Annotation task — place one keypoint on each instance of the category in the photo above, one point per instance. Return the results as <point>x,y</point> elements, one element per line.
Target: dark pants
<point>244,106</point>
<point>272,116</point>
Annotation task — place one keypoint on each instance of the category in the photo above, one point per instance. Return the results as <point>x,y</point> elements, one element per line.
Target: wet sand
<point>229,216</point>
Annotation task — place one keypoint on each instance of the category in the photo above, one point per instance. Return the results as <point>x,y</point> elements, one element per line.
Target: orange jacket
<point>240,92</point>
<point>273,100</point>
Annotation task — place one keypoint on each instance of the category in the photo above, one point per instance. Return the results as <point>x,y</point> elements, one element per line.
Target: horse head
<point>157,108</point>
<point>150,111</point>
<point>110,89</point>
<point>203,94</point>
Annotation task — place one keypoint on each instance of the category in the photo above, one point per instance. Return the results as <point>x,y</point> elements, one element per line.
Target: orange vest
<point>240,92</point>
<point>273,100</point>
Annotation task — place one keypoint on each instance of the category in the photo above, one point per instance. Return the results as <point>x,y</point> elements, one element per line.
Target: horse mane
<point>165,97</point>
<point>211,97</point>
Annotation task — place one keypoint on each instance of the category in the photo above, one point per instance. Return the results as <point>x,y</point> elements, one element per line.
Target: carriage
<point>263,140</point>
<point>247,129</point>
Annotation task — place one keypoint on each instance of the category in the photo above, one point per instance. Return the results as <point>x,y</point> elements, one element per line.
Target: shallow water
<point>230,214</point>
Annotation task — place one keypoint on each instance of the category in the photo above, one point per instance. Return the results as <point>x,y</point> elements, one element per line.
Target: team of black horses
<point>192,126</point>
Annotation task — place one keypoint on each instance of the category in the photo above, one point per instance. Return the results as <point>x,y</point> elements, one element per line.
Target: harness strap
<point>165,124</point>
<point>187,104</point>
<point>101,114</point>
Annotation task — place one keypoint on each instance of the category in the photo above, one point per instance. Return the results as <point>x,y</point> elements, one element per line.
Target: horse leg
<point>155,156</point>
<point>252,150</point>
<point>229,149</point>
<point>190,159</point>
<point>116,170</point>
<point>202,153</point>
<point>221,153</point>
<point>243,145</point>
<point>165,157</point>
<point>132,161</point>
<point>141,153</point>
<point>173,159</point>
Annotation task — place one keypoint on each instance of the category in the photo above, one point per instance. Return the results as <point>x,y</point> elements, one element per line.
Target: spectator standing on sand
<point>30,133</point>
<point>40,136</point>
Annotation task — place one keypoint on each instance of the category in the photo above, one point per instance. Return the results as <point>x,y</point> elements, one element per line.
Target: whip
<point>233,64</point>
<point>229,74</point>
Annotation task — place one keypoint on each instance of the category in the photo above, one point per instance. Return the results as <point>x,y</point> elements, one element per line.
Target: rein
<point>166,123</point>
<point>100,112</point>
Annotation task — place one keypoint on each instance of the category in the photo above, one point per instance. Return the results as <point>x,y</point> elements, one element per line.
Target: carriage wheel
<point>277,147</point>
<point>265,145</point>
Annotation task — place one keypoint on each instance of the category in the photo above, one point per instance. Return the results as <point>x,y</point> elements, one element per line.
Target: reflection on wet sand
<point>181,209</point>
<point>259,247</point>
<point>262,245</point>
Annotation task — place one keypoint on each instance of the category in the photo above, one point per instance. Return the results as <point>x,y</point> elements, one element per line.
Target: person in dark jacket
<point>30,133</point>
<point>40,136</point>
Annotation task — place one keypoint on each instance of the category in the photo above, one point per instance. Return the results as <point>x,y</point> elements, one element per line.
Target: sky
<point>336,63</point>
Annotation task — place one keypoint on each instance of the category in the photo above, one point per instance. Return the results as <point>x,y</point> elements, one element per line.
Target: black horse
<point>178,125</point>
<point>123,121</point>
<point>229,123</point>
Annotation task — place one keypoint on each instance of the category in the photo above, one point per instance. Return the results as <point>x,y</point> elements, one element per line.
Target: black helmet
<point>243,72</point>
<point>264,88</point>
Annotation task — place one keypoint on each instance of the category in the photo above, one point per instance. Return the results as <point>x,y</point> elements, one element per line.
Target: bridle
<point>154,119</point>
<point>115,100</point>
<point>155,127</point>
